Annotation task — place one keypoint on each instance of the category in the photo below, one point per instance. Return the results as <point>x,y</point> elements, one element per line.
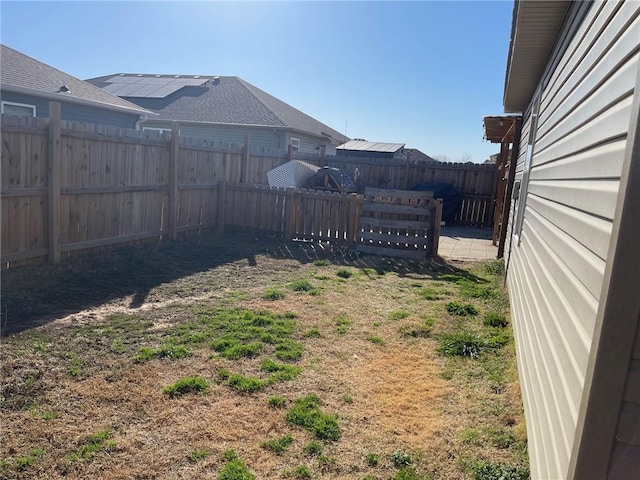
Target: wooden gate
<point>400,223</point>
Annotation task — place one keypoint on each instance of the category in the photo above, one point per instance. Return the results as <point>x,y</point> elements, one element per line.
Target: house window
<point>524,184</point>
<point>23,109</point>
<point>295,145</point>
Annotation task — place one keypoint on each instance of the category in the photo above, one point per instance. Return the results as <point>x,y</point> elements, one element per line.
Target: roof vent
<point>196,76</point>
<point>139,75</point>
<point>64,89</point>
<point>158,76</point>
<point>215,80</point>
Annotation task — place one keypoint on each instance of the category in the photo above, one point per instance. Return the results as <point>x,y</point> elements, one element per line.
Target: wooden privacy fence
<point>67,187</point>
<point>476,182</point>
<point>400,223</point>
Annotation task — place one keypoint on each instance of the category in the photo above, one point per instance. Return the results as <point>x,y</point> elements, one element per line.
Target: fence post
<point>245,159</point>
<point>54,180</point>
<point>353,225</point>
<point>290,213</point>
<point>436,220</point>
<point>174,157</point>
<point>222,195</point>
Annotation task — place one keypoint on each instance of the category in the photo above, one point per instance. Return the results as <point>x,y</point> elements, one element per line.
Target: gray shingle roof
<point>19,70</point>
<point>229,100</point>
<point>364,146</point>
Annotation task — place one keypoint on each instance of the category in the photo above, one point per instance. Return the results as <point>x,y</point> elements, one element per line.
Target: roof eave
<point>534,30</point>
<point>65,97</point>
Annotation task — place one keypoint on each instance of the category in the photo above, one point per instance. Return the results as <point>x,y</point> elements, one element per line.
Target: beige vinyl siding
<point>556,272</point>
<point>626,450</point>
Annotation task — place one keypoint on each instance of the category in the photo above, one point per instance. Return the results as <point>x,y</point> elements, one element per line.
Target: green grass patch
<point>461,309</point>
<point>418,329</point>
<point>344,273</point>
<point>187,385</point>
<point>277,401</point>
<point>408,473</point>
<point>273,294</point>
<point>400,458</point>
<point>93,445</point>
<point>462,344</point>
<point>486,470</point>
<point>289,350</point>
<point>376,340</point>
<point>244,384</point>
<point>26,461</point>
<point>173,352</point>
<point>430,293</point>
<point>197,455</point>
<point>372,459</point>
<point>280,372</point>
<point>473,289</point>
<point>398,315</point>
<point>343,323</point>
<point>278,445</point>
<point>234,469</point>
<point>302,472</point>
<point>493,319</point>
<point>233,349</point>
<point>321,262</point>
<point>306,413</point>
<point>313,448</point>
<point>304,286</point>
<point>312,333</point>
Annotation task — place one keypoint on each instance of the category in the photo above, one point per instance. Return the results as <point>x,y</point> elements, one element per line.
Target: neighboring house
<point>222,109</point>
<point>362,148</point>
<point>27,86</point>
<point>573,266</point>
<point>416,156</point>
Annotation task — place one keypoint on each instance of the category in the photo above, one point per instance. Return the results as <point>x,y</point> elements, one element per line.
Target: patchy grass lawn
<point>240,357</point>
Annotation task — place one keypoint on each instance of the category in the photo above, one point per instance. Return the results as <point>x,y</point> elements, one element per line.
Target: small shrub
<point>289,350</point>
<point>372,459</point>
<point>463,344</point>
<point>398,314</point>
<point>461,309</point>
<point>400,458</point>
<point>344,273</point>
<point>313,448</point>
<point>187,385</point>
<point>197,455</point>
<point>306,413</point>
<point>493,319</point>
<point>273,294</point>
<point>235,469</point>
<point>276,401</point>
<point>245,384</point>
<point>278,445</point>
<point>321,262</point>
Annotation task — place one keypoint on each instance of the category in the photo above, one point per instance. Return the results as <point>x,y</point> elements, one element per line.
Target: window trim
<point>16,104</point>
<point>156,129</point>
<point>524,181</point>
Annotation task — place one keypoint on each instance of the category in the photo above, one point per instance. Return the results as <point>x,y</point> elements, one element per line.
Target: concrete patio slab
<point>466,244</point>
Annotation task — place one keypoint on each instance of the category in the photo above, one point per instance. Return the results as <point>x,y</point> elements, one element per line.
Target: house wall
<point>557,262</point>
<point>311,145</point>
<point>75,112</point>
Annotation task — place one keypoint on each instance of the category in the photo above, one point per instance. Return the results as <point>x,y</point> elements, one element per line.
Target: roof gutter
<point>273,127</point>
<point>65,97</point>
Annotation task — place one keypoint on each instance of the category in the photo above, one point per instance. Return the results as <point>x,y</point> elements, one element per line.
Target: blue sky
<point>420,73</point>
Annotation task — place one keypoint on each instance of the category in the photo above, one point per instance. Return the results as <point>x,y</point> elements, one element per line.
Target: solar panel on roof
<point>162,92</point>
<point>119,79</point>
<point>149,87</point>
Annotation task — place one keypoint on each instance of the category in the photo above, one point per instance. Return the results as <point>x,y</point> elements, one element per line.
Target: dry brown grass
<point>387,397</point>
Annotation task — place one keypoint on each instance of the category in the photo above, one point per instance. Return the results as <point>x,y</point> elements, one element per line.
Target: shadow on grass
<point>35,295</point>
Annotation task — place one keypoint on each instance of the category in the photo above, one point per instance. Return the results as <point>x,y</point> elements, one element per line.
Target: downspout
<point>143,118</point>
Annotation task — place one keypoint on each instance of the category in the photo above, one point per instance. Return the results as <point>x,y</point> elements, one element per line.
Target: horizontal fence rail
<point>67,187</point>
